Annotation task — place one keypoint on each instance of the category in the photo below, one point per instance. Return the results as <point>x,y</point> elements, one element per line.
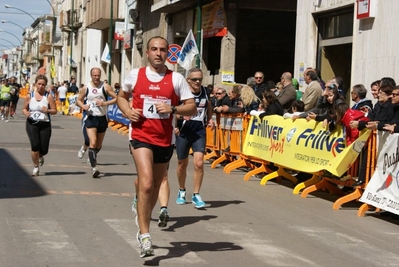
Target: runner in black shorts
<point>96,94</point>
<point>15,90</point>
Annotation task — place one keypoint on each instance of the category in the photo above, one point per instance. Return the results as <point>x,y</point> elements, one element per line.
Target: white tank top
<point>92,94</point>
<point>35,108</point>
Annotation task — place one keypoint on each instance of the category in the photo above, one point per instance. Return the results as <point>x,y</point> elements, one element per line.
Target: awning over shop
<point>166,6</point>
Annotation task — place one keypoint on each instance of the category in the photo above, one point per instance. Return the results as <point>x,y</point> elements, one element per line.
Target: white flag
<point>188,51</point>
<point>106,56</point>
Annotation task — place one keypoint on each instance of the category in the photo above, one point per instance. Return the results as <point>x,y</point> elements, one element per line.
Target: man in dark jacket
<point>358,95</point>
<point>234,95</point>
<point>223,100</point>
<point>260,87</point>
<point>288,94</point>
<point>378,117</point>
<point>73,88</point>
<point>393,126</point>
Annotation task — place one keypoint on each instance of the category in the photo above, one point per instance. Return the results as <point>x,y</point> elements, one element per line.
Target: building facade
<point>354,39</point>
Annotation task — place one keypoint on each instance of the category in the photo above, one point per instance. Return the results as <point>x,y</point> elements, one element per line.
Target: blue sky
<point>35,8</point>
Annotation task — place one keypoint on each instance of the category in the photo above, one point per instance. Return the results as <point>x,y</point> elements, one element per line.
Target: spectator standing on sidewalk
<point>288,93</point>
<point>73,88</point>
<point>62,91</point>
<point>259,87</point>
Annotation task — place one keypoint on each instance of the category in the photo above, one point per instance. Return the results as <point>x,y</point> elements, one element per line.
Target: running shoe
<point>197,201</point>
<point>81,152</point>
<point>163,217</point>
<point>41,161</point>
<point>6,120</point>
<point>181,197</point>
<point>146,248</point>
<point>35,171</point>
<point>95,173</point>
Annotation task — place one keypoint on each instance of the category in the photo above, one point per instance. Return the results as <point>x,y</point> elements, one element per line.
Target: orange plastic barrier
<point>331,184</point>
<point>24,91</point>
<point>212,140</point>
<point>230,136</point>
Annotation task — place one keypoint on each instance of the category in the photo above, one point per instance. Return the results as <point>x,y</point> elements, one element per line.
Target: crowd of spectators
<point>328,102</point>
<point>320,101</point>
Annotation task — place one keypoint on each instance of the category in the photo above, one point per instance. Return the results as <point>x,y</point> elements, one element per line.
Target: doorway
<point>334,56</point>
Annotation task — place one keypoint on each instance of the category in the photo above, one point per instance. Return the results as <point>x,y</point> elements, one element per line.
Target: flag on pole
<point>188,51</point>
<point>106,56</point>
<point>52,69</point>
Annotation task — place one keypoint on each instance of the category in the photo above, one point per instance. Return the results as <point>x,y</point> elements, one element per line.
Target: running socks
<point>93,157</point>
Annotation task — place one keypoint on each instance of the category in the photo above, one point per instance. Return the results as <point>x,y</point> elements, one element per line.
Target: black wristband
<point>173,109</point>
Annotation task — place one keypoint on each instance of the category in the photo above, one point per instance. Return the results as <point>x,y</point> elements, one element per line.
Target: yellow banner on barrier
<point>301,145</point>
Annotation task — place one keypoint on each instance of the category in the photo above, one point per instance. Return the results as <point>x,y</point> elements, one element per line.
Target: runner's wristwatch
<point>173,108</point>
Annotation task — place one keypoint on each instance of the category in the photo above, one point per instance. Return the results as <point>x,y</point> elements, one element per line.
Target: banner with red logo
<point>301,145</point>
<point>382,191</point>
<point>213,20</point>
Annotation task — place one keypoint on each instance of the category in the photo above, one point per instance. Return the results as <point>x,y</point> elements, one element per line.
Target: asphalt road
<point>66,218</point>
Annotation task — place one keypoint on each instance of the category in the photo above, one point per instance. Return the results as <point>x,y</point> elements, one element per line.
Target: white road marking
<point>354,246</point>
<point>161,241</point>
<point>43,240</point>
<point>263,249</point>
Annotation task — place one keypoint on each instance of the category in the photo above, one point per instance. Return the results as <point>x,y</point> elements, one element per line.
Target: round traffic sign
<point>173,53</point>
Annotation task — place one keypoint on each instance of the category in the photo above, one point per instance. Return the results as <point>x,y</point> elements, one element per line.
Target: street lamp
<point>1,30</point>
<point>10,6</point>
<point>7,21</point>
<point>23,11</point>
<point>3,45</point>
<point>54,21</point>
<point>48,1</point>
<point>8,42</point>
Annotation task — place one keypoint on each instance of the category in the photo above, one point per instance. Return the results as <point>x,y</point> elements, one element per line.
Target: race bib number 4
<point>150,110</point>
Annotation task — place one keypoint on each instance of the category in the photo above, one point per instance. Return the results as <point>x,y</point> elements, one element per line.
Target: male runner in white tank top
<point>96,93</point>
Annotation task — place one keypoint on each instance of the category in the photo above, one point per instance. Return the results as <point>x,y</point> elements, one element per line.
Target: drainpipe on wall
<point>111,22</point>
<point>72,32</point>
<point>199,28</point>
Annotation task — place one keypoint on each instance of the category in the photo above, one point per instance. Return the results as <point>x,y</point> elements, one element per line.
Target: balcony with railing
<point>98,13</point>
<point>70,20</point>
<point>28,58</point>
<point>172,6</point>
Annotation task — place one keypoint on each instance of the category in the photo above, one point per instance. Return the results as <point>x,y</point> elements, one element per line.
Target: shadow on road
<point>184,221</point>
<point>108,174</point>
<point>179,249</point>
<point>218,204</point>
<point>112,164</point>
<point>65,173</point>
<point>14,181</point>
